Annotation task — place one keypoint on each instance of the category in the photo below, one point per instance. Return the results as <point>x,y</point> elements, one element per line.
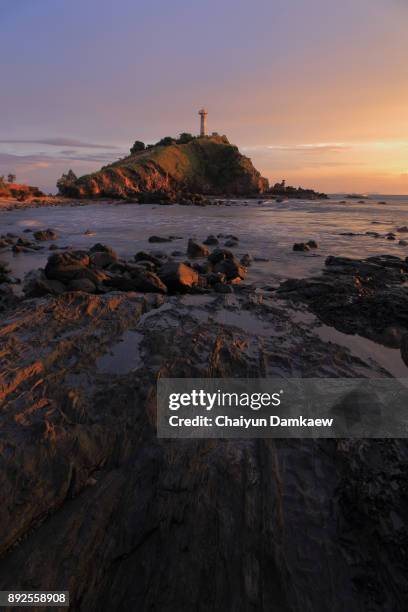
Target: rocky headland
<point>171,170</point>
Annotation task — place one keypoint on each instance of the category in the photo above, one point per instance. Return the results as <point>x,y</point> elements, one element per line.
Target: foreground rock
<point>366,297</point>
<point>305,246</point>
<point>100,270</point>
<point>99,505</point>
<point>47,234</point>
<point>178,276</point>
<point>196,249</point>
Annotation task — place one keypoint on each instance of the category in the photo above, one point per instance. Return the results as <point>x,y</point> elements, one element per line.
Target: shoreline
<point>8,204</point>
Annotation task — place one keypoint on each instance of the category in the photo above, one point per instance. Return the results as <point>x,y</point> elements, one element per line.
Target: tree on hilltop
<point>185,137</point>
<point>66,180</point>
<point>138,146</point>
<point>166,142</point>
<point>11,178</point>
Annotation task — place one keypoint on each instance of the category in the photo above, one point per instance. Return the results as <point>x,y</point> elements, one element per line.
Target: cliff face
<point>209,165</point>
<point>15,190</point>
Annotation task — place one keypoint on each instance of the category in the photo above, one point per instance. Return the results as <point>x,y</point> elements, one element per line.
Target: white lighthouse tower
<point>203,121</point>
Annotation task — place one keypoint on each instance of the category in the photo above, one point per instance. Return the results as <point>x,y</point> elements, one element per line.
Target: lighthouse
<point>203,121</point>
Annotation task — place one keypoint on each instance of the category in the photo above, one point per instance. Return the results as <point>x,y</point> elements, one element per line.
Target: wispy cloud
<point>323,147</point>
<point>9,158</point>
<point>317,147</point>
<point>59,142</point>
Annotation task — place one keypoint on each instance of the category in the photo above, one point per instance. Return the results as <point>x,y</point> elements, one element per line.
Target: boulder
<point>140,280</point>
<point>246,260</point>
<point>202,268</point>
<point>4,273</point>
<point>178,276</point>
<point>215,278</point>
<point>82,284</point>
<point>16,248</point>
<point>404,348</point>
<point>148,281</point>
<point>67,266</point>
<point>147,265</point>
<point>47,234</point>
<point>232,269</point>
<point>28,244</point>
<point>403,243</point>
<point>211,240</point>
<point>159,239</point>
<point>36,284</point>
<point>102,259</point>
<point>196,249</point>
<point>231,243</point>
<point>143,256</point>
<point>222,255</point>
<point>301,246</point>
<point>312,244</point>
<point>102,248</point>
<point>402,229</point>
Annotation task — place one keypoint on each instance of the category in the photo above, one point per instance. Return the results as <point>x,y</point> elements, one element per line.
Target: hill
<point>18,191</point>
<point>208,165</point>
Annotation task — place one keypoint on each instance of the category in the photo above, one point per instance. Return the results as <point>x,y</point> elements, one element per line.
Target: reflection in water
<point>123,356</point>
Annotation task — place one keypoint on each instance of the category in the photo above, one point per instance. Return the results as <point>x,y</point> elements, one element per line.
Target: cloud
<point>320,147</point>
<point>59,142</point>
<point>67,155</point>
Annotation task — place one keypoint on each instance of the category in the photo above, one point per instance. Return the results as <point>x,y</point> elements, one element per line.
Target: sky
<point>314,91</point>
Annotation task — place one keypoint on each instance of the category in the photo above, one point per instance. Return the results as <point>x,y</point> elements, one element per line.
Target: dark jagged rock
<point>160,239</point>
<point>366,297</point>
<point>246,260</point>
<point>47,234</point>
<point>211,240</point>
<point>143,256</point>
<point>231,269</point>
<point>178,276</point>
<point>67,266</point>
<point>221,255</point>
<point>36,284</point>
<point>301,246</point>
<point>196,249</point>
<point>81,284</point>
<point>103,248</point>
<point>103,258</point>
<point>139,280</point>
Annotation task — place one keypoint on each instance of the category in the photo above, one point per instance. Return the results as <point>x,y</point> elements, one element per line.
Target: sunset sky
<point>314,91</point>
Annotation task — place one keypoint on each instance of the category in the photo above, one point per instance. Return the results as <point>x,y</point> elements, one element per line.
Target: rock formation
<point>98,505</point>
<point>208,165</point>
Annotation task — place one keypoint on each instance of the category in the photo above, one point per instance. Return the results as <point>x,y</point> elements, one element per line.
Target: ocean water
<point>266,229</point>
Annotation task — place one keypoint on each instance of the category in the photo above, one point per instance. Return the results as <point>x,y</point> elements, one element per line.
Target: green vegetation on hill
<point>207,165</point>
